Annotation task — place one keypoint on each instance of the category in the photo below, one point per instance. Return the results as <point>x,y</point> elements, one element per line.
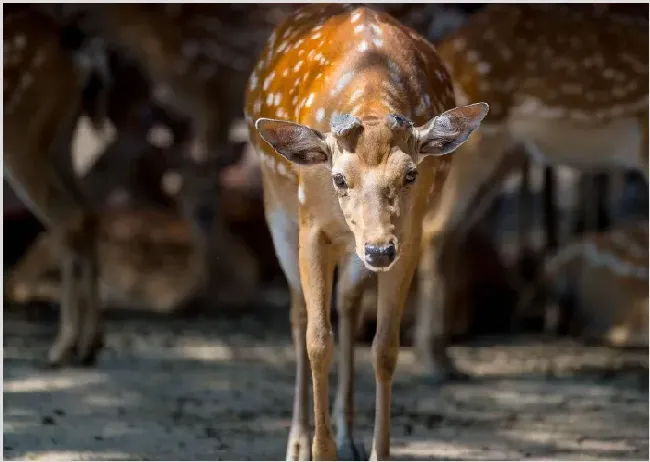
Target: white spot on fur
<point>358,29</point>
<point>363,46</point>
<point>377,42</point>
<point>268,80</point>
<point>343,82</point>
<point>301,194</point>
<point>310,99</point>
<point>483,67</point>
<point>320,114</point>
<point>355,17</point>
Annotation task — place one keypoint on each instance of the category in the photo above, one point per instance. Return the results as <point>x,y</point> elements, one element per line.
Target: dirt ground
<point>220,388</point>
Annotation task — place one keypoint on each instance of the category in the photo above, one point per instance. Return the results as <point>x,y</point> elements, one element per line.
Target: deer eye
<point>339,180</point>
<point>410,177</point>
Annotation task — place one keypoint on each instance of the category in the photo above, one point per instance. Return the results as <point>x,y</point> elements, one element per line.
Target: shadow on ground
<point>220,388</point>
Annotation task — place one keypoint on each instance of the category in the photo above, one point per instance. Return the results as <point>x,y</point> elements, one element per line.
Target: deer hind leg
<point>63,349</point>
<point>79,334</point>
<point>91,335</point>
<point>431,328</point>
<point>284,233</point>
<point>352,281</point>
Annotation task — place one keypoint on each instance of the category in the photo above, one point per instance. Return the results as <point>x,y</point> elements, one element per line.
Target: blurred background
<point>133,168</point>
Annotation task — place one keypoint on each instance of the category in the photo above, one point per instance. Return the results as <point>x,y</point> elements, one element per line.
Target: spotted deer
<point>605,275</point>
<point>353,115</point>
<point>45,67</point>
<point>568,86</point>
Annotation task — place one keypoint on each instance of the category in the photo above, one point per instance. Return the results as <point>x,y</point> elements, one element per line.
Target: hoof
<point>348,451</point>
<point>299,447</point>
<point>61,354</point>
<point>87,355</point>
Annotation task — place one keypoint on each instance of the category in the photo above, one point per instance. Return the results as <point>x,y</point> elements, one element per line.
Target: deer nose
<point>380,256</point>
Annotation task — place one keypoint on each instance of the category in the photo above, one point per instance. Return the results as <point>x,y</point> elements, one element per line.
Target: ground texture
<point>220,388</point>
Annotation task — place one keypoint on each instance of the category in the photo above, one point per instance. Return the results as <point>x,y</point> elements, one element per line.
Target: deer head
<point>374,167</point>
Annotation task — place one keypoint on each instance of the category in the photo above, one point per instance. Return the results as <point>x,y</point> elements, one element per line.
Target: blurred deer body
<point>152,255</point>
<point>340,189</point>
<point>570,87</point>
<point>606,274</point>
<point>197,58</point>
<point>42,93</point>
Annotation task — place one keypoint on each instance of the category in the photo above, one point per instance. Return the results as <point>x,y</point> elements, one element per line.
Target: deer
<point>569,87</point>
<point>354,117</point>
<point>45,68</point>
<point>605,277</point>
<point>151,253</point>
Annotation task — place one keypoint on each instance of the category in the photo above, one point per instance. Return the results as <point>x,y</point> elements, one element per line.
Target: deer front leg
<point>62,351</point>
<point>431,328</point>
<point>352,281</point>
<point>316,271</point>
<point>91,336</point>
<point>392,290</point>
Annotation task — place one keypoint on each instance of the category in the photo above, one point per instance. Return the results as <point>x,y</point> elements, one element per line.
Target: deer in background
<point>605,277</point>
<point>150,254</point>
<point>45,68</point>
<point>568,86</point>
<point>353,115</point>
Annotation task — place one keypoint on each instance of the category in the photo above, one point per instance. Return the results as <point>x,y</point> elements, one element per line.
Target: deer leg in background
<point>552,310</point>
<point>525,222</point>
<point>352,281</point>
<point>431,329</point>
<point>62,350</point>
<point>587,210</point>
<point>602,186</point>
<point>91,336</point>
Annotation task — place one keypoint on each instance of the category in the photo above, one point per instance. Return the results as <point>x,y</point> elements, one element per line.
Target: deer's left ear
<point>297,143</point>
<point>444,133</point>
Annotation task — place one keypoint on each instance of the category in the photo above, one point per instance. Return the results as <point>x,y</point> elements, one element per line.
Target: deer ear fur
<point>297,143</point>
<point>444,133</point>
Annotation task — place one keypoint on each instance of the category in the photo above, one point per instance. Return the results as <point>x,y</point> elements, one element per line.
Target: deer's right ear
<point>444,133</point>
<point>297,143</point>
